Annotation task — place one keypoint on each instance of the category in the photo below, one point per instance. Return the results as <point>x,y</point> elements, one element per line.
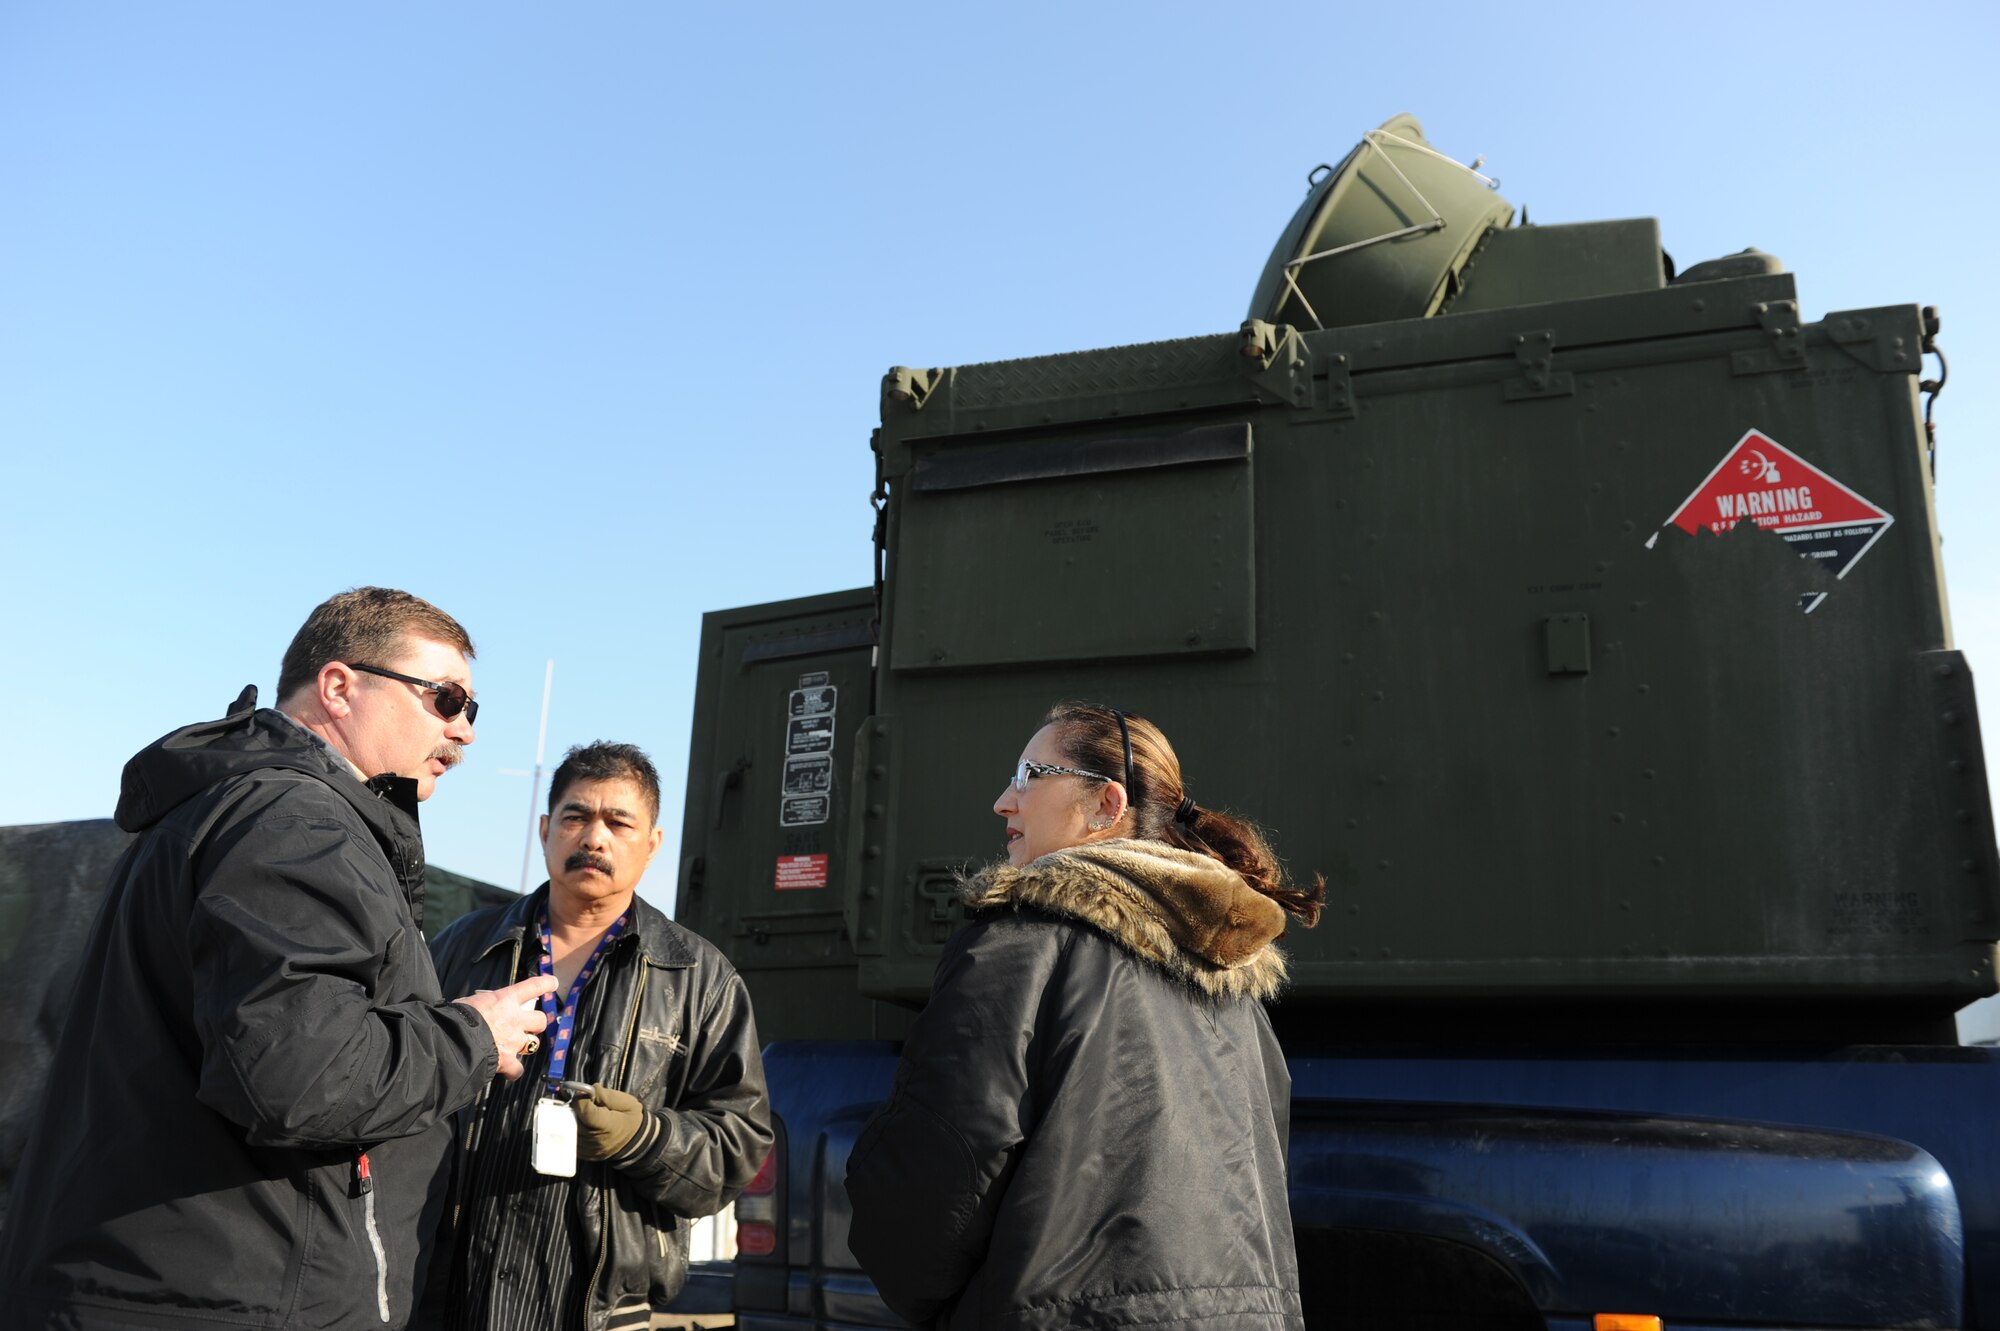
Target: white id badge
<point>555,1139</point>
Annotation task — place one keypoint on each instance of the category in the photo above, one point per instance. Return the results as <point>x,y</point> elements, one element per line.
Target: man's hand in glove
<point>612,1125</point>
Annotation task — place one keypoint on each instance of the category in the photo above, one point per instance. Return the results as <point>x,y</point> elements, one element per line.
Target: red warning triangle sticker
<point>1762,481</point>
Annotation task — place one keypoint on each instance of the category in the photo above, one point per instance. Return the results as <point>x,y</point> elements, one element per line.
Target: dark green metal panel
<point>1534,265</point>
<point>781,693</point>
<point>448,895</point>
<point>996,555</point>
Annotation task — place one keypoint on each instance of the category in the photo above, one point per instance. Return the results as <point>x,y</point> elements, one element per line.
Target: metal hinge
<point>1784,342</point>
<point>908,388</point>
<point>1883,340</point>
<point>1284,369</point>
<point>1536,354</point>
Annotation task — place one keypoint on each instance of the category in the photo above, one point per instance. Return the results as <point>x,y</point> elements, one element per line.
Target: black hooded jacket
<point>254,1010</point>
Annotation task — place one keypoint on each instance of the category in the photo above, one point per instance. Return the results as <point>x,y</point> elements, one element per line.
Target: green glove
<point>612,1125</point>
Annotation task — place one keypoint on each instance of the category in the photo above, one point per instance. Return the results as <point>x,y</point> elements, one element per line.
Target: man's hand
<point>514,1018</point>
<point>609,1122</point>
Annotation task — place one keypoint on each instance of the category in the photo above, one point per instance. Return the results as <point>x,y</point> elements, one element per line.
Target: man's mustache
<point>584,859</point>
<point>451,755</point>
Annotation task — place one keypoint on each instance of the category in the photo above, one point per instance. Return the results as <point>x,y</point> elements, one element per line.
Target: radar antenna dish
<point>1401,218</point>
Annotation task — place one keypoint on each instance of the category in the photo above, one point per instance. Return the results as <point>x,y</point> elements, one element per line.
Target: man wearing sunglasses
<point>250,1100</point>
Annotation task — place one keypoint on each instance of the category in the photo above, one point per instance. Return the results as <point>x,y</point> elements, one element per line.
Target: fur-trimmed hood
<point>1188,914</point>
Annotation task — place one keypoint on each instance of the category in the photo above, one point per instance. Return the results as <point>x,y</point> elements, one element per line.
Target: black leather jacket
<point>676,1031</point>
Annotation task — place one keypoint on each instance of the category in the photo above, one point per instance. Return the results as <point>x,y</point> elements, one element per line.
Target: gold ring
<point>534,1043</point>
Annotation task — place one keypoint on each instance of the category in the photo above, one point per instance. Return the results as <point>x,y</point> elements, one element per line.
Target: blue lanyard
<point>564,1021</point>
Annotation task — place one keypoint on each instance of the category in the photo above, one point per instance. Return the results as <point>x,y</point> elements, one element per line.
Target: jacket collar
<point>658,939</point>
<point>1188,914</point>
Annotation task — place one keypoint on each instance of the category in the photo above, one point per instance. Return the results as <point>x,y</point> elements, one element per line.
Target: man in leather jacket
<point>571,1205</point>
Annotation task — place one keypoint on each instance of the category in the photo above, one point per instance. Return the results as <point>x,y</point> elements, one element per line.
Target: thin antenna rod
<point>535,786</point>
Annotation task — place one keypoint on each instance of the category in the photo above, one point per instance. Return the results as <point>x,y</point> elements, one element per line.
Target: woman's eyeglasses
<point>451,698</point>
<point>1027,771</point>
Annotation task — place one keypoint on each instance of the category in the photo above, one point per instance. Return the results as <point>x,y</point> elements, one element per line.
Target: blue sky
<point>572,320</point>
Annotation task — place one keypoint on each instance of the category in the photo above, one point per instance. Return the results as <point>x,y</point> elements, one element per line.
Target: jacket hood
<point>172,769</point>
<point>1188,914</point>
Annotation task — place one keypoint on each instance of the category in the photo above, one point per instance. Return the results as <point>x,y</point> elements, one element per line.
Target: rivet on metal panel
<point>1617,817</point>
<point>872,853</point>
<point>878,771</point>
<point>871,892</point>
<point>1646,774</point>
<point>869,934</point>
<point>1949,718</point>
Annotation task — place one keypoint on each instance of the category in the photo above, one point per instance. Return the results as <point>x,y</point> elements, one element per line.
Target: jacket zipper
<point>624,1079</point>
<point>364,1182</point>
<point>478,1115</point>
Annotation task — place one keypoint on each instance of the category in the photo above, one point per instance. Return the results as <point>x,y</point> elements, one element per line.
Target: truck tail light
<point>757,1211</point>
<point>1626,1322</point>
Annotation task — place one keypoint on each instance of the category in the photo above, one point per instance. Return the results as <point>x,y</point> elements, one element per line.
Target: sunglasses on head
<point>451,698</point>
<point>1027,771</point>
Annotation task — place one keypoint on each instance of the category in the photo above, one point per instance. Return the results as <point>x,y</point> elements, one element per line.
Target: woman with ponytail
<point>1088,1126</point>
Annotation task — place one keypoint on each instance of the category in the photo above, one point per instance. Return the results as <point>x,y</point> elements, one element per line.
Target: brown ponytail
<point>1091,737</point>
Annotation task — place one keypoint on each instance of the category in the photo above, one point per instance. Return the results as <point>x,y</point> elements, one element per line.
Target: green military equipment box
<point>1585,627</point>
<point>782,692</point>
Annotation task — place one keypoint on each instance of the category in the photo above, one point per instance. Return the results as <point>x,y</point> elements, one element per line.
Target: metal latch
<point>1536,354</point>
<point>1567,638</point>
<point>1784,342</point>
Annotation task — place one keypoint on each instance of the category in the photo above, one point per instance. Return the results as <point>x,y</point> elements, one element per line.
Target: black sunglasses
<point>451,698</point>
